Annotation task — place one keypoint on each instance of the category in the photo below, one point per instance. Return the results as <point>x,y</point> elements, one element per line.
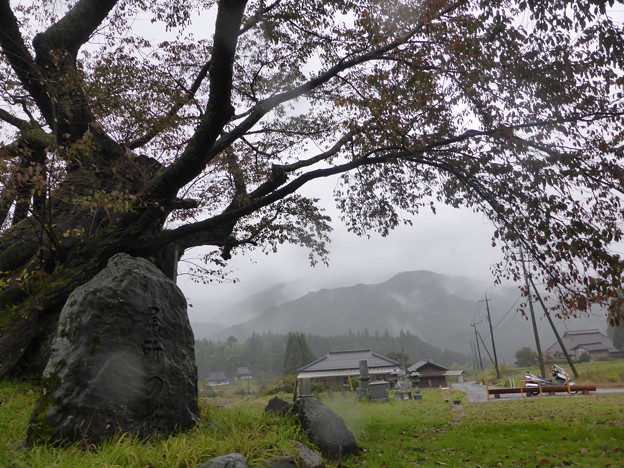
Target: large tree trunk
<point>30,305</point>
<point>109,200</point>
<point>29,315</point>
<point>42,260</point>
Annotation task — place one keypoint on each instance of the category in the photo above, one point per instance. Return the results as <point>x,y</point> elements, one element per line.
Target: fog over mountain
<point>438,308</point>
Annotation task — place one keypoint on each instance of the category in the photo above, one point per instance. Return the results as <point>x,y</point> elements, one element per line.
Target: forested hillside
<point>264,353</point>
<point>438,308</point>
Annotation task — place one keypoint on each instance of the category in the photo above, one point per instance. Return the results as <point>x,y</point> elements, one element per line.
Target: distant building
<point>592,342</point>
<point>432,374</point>
<point>243,373</point>
<point>343,367</point>
<point>217,378</point>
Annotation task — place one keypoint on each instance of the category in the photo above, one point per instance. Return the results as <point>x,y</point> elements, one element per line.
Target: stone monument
<point>123,360</point>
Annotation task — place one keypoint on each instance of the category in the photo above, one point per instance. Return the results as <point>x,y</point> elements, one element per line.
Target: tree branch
<point>56,51</point>
<point>75,28</point>
<point>159,126</point>
<point>22,62</point>
<point>257,17</point>
<point>13,120</point>
<point>231,215</point>
<point>273,190</point>
<point>265,106</point>
<point>218,110</point>
<point>238,178</point>
<point>279,171</point>
<point>321,156</point>
<point>201,150</point>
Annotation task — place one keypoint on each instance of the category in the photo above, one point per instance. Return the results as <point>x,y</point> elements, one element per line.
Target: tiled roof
<point>591,347</point>
<point>216,376</point>
<point>582,338</point>
<point>420,364</point>
<point>376,371</point>
<point>243,371</point>
<point>349,360</point>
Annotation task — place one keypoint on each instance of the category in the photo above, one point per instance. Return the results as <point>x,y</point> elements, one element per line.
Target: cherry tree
<point>119,139</point>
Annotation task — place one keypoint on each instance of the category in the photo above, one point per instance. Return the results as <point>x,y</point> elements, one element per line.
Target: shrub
<point>284,384</point>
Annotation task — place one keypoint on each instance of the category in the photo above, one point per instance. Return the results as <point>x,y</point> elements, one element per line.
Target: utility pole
<point>487,306</point>
<point>540,357</point>
<point>404,361</point>
<point>474,325</point>
<point>552,325</point>
<point>473,354</point>
<point>485,347</point>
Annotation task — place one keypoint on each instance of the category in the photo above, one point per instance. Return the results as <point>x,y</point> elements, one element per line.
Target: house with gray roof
<point>243,373</point>
<point>592,342</point>
<point>217,378</point>
<point>343,367</point>
<point>432,374</point>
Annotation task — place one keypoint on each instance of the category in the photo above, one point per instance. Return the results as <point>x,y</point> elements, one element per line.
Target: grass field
<point>562,431</point>
<point>602,373</point>
<point>582,431</point>
<point>240,427</point>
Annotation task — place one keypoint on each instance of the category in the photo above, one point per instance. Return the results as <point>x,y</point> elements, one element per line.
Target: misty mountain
<point>206,329</point>
<point>254,305</point>
<point>438,308</point>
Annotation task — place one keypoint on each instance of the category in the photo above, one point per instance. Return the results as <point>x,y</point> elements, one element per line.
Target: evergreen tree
<point>297,354</point>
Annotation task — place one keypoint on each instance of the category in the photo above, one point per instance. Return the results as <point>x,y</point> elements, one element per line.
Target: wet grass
<point>552,431</point>
<point>240,427</point>
<point>604,374</point>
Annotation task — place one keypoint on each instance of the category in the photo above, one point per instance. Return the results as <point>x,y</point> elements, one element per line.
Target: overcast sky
<point>455,242</point>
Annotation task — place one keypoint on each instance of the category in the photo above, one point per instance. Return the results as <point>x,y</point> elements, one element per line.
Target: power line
<point>509,311</point>
<point>511,318</point>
